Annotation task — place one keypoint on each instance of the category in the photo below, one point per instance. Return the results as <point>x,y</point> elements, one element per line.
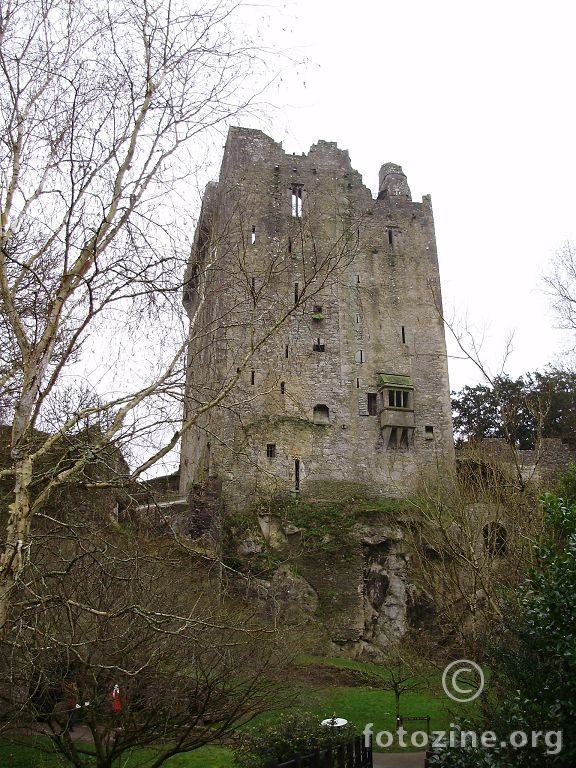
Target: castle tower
<point>316,326</point>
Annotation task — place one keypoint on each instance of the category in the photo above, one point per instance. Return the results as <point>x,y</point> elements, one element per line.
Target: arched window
<point>321,414</point>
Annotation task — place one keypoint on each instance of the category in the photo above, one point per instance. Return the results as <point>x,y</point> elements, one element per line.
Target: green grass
<point>22,755</point>
<point>364,705</point>
<point>370,704</point>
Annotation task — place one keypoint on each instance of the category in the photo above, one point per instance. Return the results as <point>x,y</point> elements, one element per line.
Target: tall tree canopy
<point>522,410</point>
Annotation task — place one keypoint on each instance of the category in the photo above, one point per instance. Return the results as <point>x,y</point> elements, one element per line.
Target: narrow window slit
<point>372,405</point>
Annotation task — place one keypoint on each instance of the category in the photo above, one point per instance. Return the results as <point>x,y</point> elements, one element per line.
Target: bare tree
<point>473,535</point>
<point>103,108</point>
<point>115,645</point>
<point>402,671</point>
<point>560,285</point>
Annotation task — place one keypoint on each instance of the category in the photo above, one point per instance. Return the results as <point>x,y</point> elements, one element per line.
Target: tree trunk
<point>17,533</point>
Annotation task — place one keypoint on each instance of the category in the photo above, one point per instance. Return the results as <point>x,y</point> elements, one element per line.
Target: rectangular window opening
<point>296,293</point>
<point>398,398</point>
<point>403,335</point>
<point>296,474</point>
<point>289,245</point>
<point>358,318</point>
<point>297,201</point>
<point>271,450</point>
<point>286,351</point>
<point>372,405</point>
<point>252,377</point>
<point>319,345</point>
<point>390,237</point>
<point>357,279</point>
<point>282,388</point>
<point>253,235</point>
<point>357,383</point>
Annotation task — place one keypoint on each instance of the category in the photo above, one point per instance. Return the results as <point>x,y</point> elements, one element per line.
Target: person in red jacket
<point>116,702</point>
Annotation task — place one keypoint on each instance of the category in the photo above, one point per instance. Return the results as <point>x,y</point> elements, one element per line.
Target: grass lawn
<point>370,704</point>
<point>19,755</point>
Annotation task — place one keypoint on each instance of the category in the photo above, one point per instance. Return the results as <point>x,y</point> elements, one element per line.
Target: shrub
<point>297,733</point>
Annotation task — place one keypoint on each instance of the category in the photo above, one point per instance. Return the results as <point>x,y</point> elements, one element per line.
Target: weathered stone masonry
<point>353,385</point>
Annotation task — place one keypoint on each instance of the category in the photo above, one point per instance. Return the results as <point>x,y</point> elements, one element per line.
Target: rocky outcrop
<point>360,597</point>
<point>386,589</point>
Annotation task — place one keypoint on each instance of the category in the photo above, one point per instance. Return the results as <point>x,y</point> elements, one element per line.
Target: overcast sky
<point>476,102</point>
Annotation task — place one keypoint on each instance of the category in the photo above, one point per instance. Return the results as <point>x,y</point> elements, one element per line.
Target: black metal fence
<point>353,754</point>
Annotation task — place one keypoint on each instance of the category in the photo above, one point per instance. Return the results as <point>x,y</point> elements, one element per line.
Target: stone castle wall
<point>319,309</point>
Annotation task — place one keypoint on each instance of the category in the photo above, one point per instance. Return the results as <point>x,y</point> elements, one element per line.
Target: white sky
<point>476,102</point>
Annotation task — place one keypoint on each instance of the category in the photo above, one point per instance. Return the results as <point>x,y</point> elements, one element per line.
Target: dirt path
<point>400,760</point>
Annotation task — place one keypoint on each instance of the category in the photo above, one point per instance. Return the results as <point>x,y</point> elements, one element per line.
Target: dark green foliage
<point>297,733</point>
<point>520,411</point>
<point>566,488</point>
